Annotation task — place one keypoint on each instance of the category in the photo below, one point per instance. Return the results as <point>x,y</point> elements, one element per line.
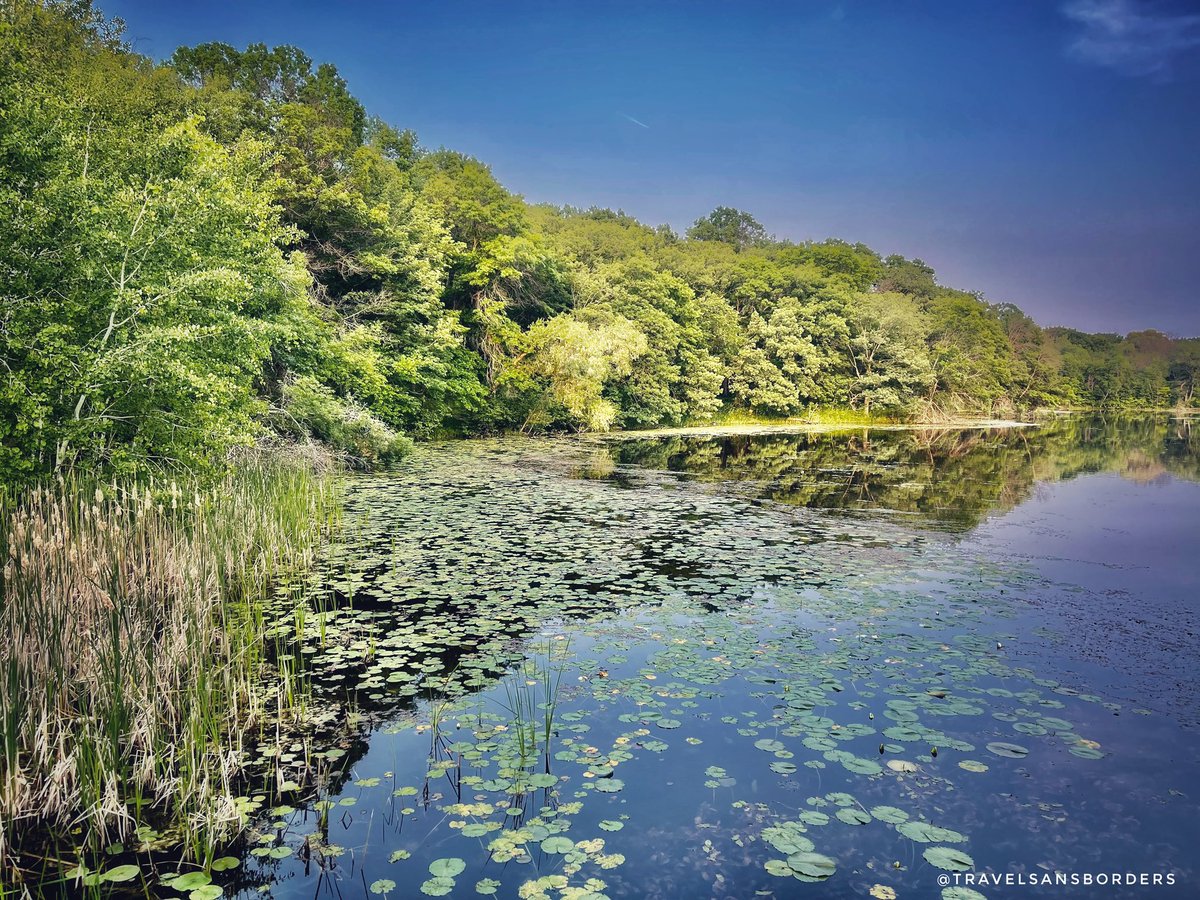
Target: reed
<point>135,666</point>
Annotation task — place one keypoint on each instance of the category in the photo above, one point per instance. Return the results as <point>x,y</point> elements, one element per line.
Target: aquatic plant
<point>135,669</point>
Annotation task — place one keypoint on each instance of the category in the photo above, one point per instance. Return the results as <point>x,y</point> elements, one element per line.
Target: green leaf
<point>437,887</point>
<point>447,868</point>
<point>558,845</point>
<point>121,873</point>
<point>949,859</point>
<point>814,865</point>
<point>190,880</point>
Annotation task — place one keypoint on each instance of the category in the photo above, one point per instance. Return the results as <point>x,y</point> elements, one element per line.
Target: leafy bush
<point>310,409</point>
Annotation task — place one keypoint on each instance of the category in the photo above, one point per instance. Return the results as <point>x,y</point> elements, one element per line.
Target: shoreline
<point>808,428</point>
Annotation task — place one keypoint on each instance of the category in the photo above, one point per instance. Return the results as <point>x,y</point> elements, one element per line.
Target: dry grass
<point>133,661</point>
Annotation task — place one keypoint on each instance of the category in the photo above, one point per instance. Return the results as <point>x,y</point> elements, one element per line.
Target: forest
<point>226,249</point>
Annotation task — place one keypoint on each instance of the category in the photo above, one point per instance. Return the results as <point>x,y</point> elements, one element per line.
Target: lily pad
<point>961,893</point>
<point>927,833</point>
<point>120,874</point>
<point>814,865</point>
<point>437,887</point>
<point>190,881</point>
<point>447,868</point>
<point>853,816</point>
<point>558,845</point>
<point>949,859</point>
<point>1010,751</point>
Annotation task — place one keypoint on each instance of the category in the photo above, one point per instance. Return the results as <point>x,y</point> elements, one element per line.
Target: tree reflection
<point>953,477</point>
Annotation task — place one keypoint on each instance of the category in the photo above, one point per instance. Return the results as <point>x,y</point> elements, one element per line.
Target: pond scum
<point>135,663</point>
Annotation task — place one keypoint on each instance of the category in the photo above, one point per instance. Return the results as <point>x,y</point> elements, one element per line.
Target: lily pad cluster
<point>549,651</point>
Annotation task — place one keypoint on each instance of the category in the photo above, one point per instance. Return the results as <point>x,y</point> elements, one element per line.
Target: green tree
<point>729,226</point>
<point>573,359</point>
<point>886,346</point>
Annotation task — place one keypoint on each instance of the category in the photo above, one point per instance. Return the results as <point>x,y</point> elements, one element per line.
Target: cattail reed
<point>134,660</point>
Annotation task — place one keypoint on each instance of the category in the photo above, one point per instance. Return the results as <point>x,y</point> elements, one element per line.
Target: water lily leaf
<point>225,863</point>
<point>814,865</point>
<point>1011,751</point>
<point>447,868</point>
<point>927,833</point>
<point>558,845</point>
<point>771,746</point>
<point>190,881</point>
<point>787,838</point>
<point>862,766</point>
<point>437,887</point>
<point>121,873</point>
<point>961,893</point>
<point>853,816</point>
<point>889,814</point>
<point>487,886</point>
<point>382,886</point>
<point>778,868</point>
<point>949,859</point>
<point>609,785</point>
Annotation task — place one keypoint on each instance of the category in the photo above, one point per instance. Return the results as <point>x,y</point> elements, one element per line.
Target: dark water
<point>783,665</point>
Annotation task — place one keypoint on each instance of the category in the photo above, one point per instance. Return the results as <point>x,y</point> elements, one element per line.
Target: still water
<point>853,664</point>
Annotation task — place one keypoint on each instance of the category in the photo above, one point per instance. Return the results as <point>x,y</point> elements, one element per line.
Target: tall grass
<point>133,662</point>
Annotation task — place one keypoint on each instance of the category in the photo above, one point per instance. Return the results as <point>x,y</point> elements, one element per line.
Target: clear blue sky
<point>1044,152</point>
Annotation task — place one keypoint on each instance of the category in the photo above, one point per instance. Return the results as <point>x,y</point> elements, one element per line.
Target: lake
<point>865,663</point>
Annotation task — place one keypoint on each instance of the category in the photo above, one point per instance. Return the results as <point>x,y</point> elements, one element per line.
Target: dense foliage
<point>226,246</point>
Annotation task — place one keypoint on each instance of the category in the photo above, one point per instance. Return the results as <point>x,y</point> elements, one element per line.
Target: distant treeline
<point>200,254</point>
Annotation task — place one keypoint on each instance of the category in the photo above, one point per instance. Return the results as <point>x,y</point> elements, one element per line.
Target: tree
<point>886,346</point>
<point>729,226</point>
<point>1184,371</point>
<point>907,277</point>
<point>791,359</point>
<point>144,337</point>
<point>574,358</point>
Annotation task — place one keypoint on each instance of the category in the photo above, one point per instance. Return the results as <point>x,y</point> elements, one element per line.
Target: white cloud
<point>1130,37</point>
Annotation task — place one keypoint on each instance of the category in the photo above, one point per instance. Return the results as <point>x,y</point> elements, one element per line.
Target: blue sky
<point>1046,153</point>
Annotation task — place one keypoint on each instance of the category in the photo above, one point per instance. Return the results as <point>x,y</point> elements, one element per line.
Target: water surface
<point>784,665</point>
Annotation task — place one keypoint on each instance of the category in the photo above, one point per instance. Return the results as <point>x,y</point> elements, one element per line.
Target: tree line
<point>201,253</point>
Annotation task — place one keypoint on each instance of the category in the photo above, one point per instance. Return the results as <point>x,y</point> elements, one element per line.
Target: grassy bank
<point>134,665</point>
